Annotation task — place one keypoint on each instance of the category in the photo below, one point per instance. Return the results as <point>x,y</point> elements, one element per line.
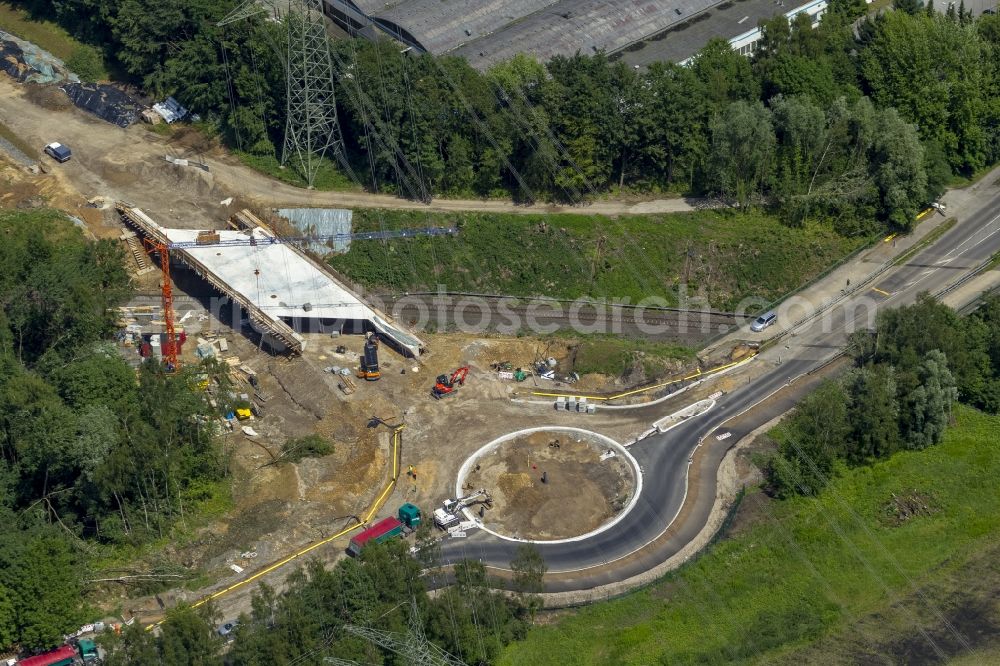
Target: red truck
<point>383,530</point>
<point>61,656</point>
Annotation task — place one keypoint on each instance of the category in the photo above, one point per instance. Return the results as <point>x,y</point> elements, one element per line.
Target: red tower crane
<point>170,344</point>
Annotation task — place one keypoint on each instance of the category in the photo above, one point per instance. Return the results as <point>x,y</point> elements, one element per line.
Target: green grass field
<point>721,255</point>
<point>818,569</point>
<point>328,176</point>
<point>613,356</point>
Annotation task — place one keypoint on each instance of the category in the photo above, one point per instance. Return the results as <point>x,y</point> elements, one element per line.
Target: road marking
<point>879,291</point>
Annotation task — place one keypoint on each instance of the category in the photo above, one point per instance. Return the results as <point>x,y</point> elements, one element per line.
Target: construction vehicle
<point>383,530</point>
<point>87,649</point>
<point>446,385</point>
<point>369,361</point>
<point>409,515</point>
<point>407,519</point>
<point>64,655</point>
<point>448,515</point>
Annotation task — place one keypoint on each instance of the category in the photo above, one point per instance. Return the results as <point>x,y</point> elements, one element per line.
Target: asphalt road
<point>664,458</point>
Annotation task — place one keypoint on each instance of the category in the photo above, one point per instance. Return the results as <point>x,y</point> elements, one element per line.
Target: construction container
<point>409,515</point>
<point>383,530</point>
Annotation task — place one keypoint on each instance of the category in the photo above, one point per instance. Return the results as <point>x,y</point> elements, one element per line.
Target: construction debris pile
<point>106,102</point>
<point>27,63</point>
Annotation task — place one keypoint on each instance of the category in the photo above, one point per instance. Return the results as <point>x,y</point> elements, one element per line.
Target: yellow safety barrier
<point>891,236</point>
<point>924,212</point>
<point>644,389</point>
<point>308,549</point>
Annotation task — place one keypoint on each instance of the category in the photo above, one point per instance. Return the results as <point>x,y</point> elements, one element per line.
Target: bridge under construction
<point>282,289</point>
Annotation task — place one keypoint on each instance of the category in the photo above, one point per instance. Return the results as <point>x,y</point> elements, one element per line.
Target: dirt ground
<point>580,492</point>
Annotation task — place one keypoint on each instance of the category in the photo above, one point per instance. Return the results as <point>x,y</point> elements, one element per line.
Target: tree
<point>813,440</point>
<point>910,7</point>
<point>529,570</point>
<point>873,414</point>
<point>907,335</point>
<point>935,73</point>
<point>800,128</point>
<point>188,637</point>
<point>676,128</point>
<point>743,146</point>
<point>134,646</point>
<point>726,75</point>
<point>309,446</point>
<point>927,409</point>
<point>898,164</point>
<point>40,583</point>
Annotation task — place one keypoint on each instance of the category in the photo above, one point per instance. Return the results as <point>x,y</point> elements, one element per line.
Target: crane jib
<point>274,240</point>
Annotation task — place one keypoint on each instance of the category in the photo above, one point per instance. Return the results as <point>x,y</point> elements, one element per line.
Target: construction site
<point>222,272</point>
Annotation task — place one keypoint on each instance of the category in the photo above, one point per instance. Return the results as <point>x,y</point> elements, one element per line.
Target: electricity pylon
<point>412,646</point>
<point>412,649</point>
<point>311,127</point>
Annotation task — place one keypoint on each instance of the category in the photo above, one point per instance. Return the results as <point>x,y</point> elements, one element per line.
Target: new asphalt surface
<point>648,535</point>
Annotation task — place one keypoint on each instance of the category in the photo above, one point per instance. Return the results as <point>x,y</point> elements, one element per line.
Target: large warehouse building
<point>488,31</point>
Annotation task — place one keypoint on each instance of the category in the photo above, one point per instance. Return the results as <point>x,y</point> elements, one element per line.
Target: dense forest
<point>908,372</point>
<point>91,453</point>
<point>854,121</point>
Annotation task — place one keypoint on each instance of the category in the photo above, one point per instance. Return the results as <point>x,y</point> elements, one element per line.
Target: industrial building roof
<point>487,31</point>
<point>440,26</point>
<point>587,26</point>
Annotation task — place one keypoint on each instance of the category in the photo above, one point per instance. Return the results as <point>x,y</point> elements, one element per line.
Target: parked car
<point>58,152</point>
<point>227,629</point>
<point>763,321</point>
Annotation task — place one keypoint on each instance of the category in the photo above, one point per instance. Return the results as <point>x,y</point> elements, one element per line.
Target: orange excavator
<point>446,385</point>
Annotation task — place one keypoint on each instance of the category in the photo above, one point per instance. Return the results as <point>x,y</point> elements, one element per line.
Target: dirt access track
<point>129,164</point>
